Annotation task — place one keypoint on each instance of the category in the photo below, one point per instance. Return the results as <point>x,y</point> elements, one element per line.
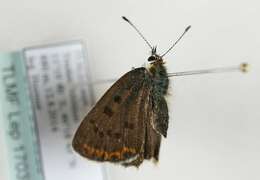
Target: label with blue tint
<point>17,119</point>
<point>45,92</point>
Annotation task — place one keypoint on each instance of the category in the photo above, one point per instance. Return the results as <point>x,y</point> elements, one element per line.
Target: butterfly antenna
<point>186,30</point>
<point>243,67</point>
<point>142,36</point>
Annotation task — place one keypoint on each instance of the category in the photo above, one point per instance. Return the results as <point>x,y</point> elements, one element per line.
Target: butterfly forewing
<point>114,129</point>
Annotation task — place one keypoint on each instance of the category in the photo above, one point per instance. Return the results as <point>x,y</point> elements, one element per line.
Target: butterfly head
<point>154,57</point>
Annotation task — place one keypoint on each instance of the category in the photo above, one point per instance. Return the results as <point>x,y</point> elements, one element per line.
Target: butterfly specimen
<point>126,125</point>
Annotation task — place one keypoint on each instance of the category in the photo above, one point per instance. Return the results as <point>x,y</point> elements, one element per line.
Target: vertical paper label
<point>61,96</point>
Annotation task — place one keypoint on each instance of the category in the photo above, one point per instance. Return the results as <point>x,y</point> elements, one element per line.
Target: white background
<point>214,119</point>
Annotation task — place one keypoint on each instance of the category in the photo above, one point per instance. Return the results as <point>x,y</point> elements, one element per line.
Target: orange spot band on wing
<point>115,155</point>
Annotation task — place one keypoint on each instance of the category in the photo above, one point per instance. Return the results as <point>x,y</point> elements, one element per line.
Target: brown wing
<point>114,130</point>
<point>152,136</point>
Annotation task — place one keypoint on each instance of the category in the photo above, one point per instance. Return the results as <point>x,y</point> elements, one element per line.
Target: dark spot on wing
<point>117,135</point>
<point>127,154</point>
<point>114,157</point>
<point>108,111</point>
<point>95,129</point>
<point>101,134</point>
<point>92,121</point>
<point>128,125</point>
<point>131,126</point>
<point>109,132</point>
<point>117,99</point>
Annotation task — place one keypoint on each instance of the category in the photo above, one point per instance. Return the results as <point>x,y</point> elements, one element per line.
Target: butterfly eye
<point>151,58</point>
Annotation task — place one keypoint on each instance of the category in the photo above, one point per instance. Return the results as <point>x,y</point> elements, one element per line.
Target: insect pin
<point>126,125</point>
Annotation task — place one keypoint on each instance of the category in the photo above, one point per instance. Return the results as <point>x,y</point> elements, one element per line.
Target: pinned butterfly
<point>127,123</point>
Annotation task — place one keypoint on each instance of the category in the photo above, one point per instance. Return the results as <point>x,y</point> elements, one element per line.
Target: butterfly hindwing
<point>161,116</point>
<point>152,137</point>
<point>140,109</point>
<point>114,129</point>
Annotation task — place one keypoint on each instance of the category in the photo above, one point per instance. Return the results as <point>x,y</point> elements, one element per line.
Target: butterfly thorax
<point>159,76</point>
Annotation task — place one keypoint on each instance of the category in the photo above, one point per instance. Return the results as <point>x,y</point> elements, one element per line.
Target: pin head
<point>244,67</point>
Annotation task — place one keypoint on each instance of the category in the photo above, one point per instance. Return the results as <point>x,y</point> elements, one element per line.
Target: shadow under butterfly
<point>126,125</point>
